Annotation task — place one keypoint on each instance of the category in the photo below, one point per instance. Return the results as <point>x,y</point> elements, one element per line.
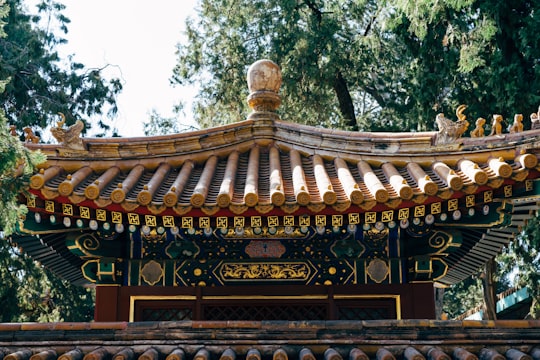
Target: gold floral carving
<point>342,206</point>
<point>471,189</point>
<point>182,209</point>
<point>495,183</point>
<point>75,199</point>
<point>238,209</point>
<point>155,209</point>
<point>129,206</point>
<point>316,208</point>
<point>446,194</point>
<point>86,244</point>
<point>102,203</point>
<point>265,271</point>
<point>520,176</point>
<point>265,233</point>
<point>264,208</point>
<point>393,204</point>
<point>368,205</point>
<point>420,199</point>
<point>289,208</point>
<point>49,194</point>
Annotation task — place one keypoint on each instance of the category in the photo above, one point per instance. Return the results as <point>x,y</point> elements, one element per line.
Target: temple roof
<point>265,166</point>
<point>277,340</point>
<point>281,166</point>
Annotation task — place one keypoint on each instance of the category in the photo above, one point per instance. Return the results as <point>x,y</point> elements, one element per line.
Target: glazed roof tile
<point>279,165</point>
<point>276,340</point>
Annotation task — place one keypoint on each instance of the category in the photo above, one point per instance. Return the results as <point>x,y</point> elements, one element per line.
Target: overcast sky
<point>138,38</point>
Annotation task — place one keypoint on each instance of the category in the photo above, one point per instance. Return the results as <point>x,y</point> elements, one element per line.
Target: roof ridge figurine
<point>450,131</point>
<point>69,138</point>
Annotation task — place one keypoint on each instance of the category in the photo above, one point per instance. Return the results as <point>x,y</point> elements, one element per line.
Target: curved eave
<point>481,245</point>
<point>265,165</point>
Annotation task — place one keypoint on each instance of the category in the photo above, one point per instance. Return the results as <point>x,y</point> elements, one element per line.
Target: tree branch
<point>346,105</point>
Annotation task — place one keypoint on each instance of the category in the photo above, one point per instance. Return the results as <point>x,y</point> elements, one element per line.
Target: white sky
<point>139,38</point>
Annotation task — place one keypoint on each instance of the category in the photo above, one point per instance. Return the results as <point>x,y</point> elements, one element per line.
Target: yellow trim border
<point>134,298</point>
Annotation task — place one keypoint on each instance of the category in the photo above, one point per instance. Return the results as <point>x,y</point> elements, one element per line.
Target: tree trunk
<point>439,296</point>
<point>346,106</point>
<point>489,291</point>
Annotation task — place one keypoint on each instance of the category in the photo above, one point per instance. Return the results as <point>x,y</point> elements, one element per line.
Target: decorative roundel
<point>146,229</point>
<point>119,228</point>
<point>93,224</point>
<point>404,223</point>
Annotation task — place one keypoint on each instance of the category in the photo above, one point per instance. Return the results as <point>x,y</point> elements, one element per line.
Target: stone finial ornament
<point>496,125</point>
<point>264,81</point>
<point>69,138</point>
<point>479,129</point>
<point>517,126</point>
<point>450,131</point>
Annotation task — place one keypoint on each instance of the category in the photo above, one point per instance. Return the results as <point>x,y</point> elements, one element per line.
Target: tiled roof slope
<point>336,340</point>
<point>277,165</point>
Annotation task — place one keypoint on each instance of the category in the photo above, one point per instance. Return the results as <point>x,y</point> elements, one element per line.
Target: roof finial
<point>264,80</point>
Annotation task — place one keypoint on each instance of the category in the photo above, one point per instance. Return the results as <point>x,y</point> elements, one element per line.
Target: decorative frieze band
<point>83,214</point>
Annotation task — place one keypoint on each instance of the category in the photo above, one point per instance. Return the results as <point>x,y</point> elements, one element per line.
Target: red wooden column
<point>106,303</point>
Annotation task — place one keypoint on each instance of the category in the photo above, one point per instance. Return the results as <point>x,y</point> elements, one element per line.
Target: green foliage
<point>33,90</point>
<point>159,125</point>
<point>365,65</point>
<point>325,50</point>
<point>4,9</point>
<point>17,163</point>
<point>462,297</point>
<point>522,259</point>
<point>42,84</point>
<point>468,294</point>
